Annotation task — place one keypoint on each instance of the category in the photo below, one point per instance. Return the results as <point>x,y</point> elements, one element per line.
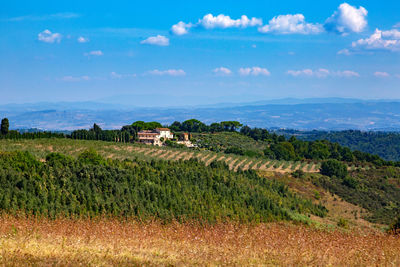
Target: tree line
<point>277,146</point>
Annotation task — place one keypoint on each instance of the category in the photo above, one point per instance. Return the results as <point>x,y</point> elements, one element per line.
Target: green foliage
<point>183,190</point>
<point>5,124</point>
<point>350,182</point>
<point>368,189</point>
<point>343,223</point>
<point>395,227</point>
<point>384,144</point>
<point>232,141</point>
<point>298,174</point>
<point>283,151</point>
<point>91,157</point>
<point>333,167</point>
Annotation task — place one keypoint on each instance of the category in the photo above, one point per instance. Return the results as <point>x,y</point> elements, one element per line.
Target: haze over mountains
<point>303,114</point>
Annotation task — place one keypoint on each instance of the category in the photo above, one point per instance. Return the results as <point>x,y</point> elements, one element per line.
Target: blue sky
<point>218,51</point>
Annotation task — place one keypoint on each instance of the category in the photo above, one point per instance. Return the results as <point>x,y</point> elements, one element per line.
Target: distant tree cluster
<point>127,133</point>
<point>384,144</point>
<point>294,149</point>
<point>196,126</point>
<point>6,133</point>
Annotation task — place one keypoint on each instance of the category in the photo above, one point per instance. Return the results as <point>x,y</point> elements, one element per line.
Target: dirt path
<point>232,163</point>
<point>255,166</point>
<point>221,158</point>
<point>264,166</point>
<point>205,157</point>
<point>172,155</point>
<point>189,156</point>
<point>164,155</point>
<point>148,151</point>
<point>157,153</point>
<point>247,166</point>
<point>211,160</point>
<point>181,155</point>
<point>239,164</point>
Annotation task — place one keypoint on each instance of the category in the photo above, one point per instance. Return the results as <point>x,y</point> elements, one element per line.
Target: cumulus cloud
<point>322,73</point>
<point>159,40</point>
<point>181,28</point>
<point>48,37</point>
<point>94,53</point>
<point>170,72</point>
<point>254,71</point>
<point>221,21</point>
<point>291,24</point>
<point>75,78</point>
<point>380,40</point>
<point>381,74</point>
<point>347,19</point>
<point>222,71</point>
<point>82,39</point>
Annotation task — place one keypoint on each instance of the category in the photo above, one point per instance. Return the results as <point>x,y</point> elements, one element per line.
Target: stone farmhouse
<point>155,137</point>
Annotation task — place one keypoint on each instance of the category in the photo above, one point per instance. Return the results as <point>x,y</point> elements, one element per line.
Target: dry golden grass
<point>111,242</point>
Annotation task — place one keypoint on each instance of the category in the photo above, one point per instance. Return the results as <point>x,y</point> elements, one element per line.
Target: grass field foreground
<point>110,242</point>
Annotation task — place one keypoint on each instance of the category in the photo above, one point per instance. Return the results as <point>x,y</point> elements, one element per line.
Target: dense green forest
<point>384,144</point>
<point>91,186</point>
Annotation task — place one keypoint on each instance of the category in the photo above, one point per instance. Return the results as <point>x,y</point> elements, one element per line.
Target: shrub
<point>343,223</point>
<point>350,182</point>
<point>333,167</point>
<point>91,157</point>
<point>298,174</point>
<point>395,227</point>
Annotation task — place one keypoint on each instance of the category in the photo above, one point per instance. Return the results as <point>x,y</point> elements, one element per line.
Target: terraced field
<point>41,147</point>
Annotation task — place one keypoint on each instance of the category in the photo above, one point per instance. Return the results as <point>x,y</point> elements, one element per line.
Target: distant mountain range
<point>289,113</point>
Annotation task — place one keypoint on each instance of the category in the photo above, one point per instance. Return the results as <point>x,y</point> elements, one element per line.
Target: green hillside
<point>92,186</point>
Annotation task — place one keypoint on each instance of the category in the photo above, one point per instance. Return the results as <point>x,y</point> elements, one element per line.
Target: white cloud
<point>94,53</point>
<point>305,72</point>
<point>181,28</point>
<point>156,40</point>
<point>254,71</point>
<point>347,19</point>
<point>221,21</point>
<point>381,74</point>
<point>347,73</point>
<point>115,75</point>
<point>170,72</point>
<point>345,52</point>
<point>380,40</point>
<point>322,73</point>
<point>65,15</point>
<point>82,39</point>
<point>222,71</point>
<point>48,37</point>
<point>397,25</point>
<point>75,79</point>
<point>291,24</point>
